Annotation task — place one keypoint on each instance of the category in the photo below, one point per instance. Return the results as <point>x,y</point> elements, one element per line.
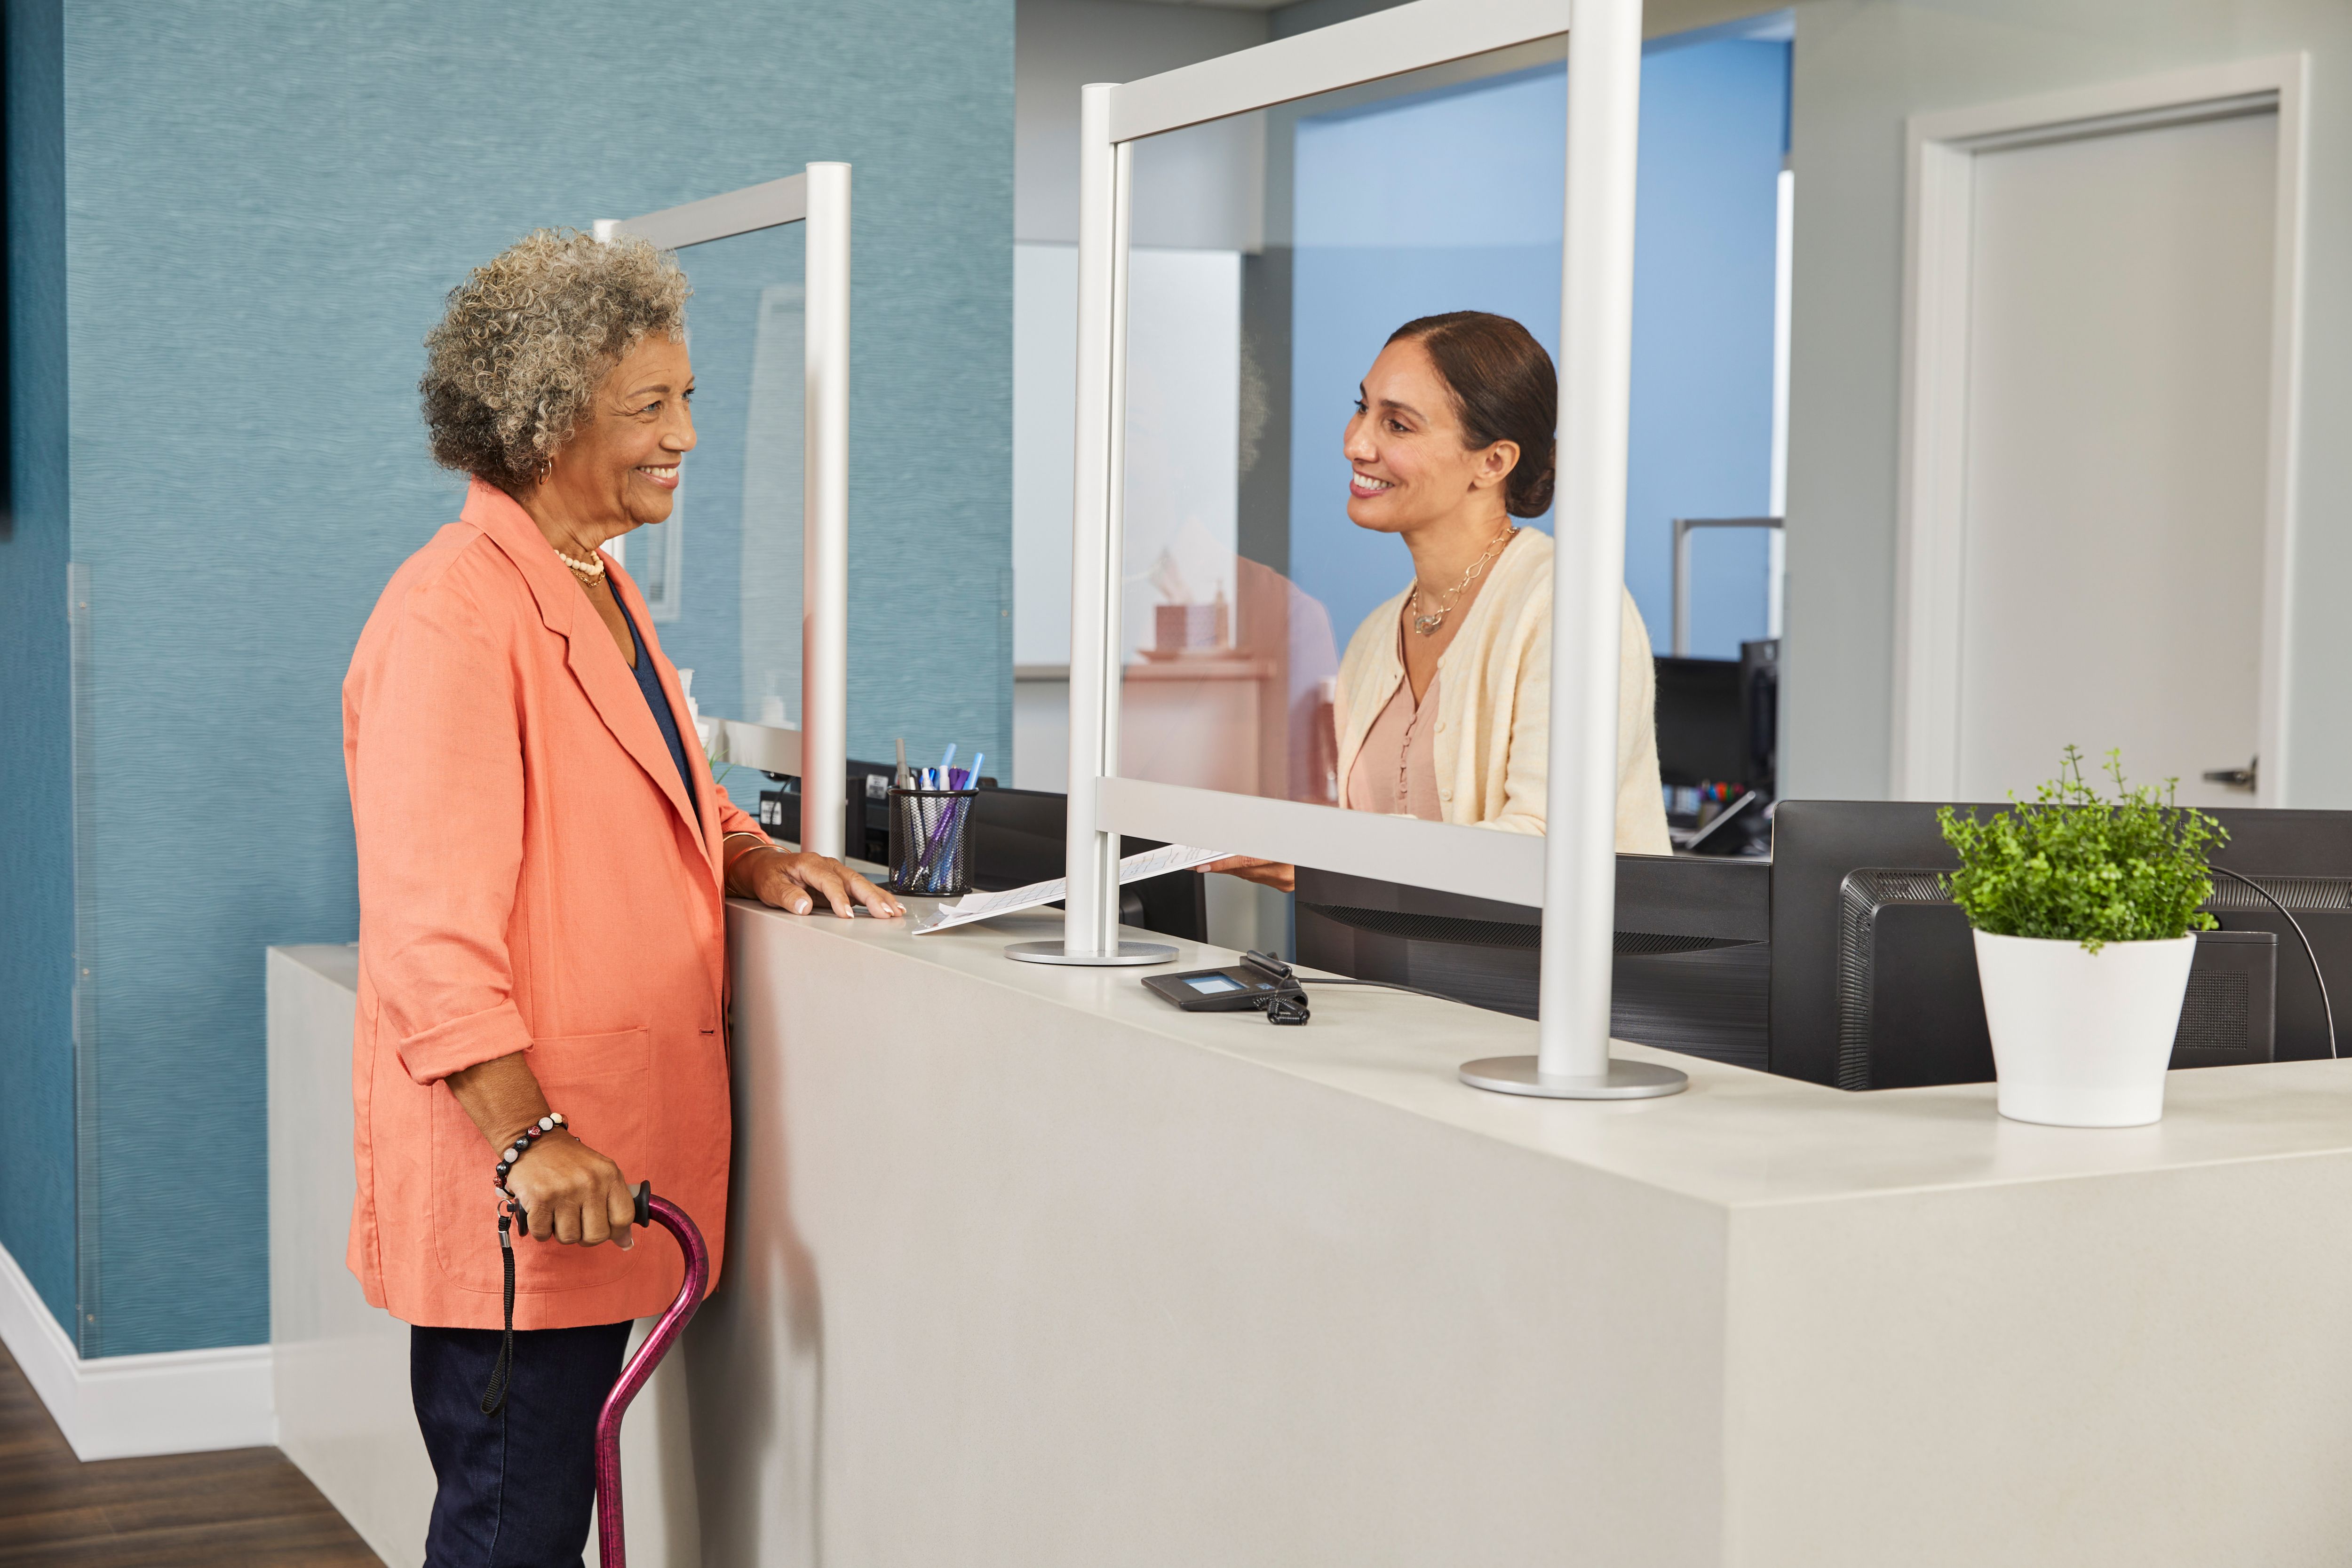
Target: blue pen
<point>945,758</point>
<point>971,776</point>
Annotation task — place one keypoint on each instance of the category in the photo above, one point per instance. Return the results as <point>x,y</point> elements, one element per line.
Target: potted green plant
<point>2084,909</point>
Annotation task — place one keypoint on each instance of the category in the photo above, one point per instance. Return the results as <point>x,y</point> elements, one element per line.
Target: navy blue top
<point>650,684</point>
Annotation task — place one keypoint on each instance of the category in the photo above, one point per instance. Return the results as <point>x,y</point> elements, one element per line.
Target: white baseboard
<point>122,1407</point>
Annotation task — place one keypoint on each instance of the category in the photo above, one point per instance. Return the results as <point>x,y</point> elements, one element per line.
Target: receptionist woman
<point>1444,698</point>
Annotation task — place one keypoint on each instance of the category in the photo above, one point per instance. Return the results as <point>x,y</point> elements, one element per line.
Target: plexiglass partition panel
<point>1274,255</point>
<point>1563,850</point>
<point>728,563</point>
<point>771,267</point>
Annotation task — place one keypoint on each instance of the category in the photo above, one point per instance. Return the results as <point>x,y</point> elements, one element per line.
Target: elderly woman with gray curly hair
<point>543,863</point>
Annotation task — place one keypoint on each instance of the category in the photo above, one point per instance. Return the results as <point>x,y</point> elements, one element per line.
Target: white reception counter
<point>1029,1268</point>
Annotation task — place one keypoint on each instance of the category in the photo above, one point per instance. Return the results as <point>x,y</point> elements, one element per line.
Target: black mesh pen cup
<point>931,842</point>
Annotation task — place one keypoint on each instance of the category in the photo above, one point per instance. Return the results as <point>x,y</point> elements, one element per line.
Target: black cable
<point>1288,1004</point>
<point>1383,984</point>
<point>2325,1007</point>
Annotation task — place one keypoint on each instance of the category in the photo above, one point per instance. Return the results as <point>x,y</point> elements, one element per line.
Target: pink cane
<point>612,1551</point>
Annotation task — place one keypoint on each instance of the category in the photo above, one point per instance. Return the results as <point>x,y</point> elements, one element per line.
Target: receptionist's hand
<point>794,881</point>
<point>1266,873</point>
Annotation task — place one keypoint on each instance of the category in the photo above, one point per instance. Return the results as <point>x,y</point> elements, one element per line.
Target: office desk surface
<point>1028,1266</point>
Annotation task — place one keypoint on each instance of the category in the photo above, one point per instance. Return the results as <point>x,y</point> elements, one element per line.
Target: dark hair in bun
<point>1504,388</point>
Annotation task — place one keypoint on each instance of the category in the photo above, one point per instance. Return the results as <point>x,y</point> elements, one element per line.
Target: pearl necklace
<point>1427,625</point>
<point>592,568</point>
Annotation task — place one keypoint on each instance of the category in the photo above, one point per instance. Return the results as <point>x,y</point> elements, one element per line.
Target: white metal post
<point>1679,643</point>
<point>1090,911</point>
<point>1784,260</point>
<point>1604,87</point>
<point>1090,921</point>
<point>825,528</point>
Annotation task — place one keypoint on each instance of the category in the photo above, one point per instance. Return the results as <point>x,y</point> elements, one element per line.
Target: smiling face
<point>620,469</point>
<point>1411,469</point>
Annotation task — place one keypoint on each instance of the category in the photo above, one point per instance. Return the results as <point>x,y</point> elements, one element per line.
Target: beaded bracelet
<point>524,1140</point>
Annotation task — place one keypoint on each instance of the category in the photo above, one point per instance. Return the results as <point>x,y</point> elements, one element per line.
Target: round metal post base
<point>1129,952</point>
<point>1626,1080</point>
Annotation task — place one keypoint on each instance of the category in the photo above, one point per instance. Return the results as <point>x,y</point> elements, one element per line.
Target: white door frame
<point>1938,244</point>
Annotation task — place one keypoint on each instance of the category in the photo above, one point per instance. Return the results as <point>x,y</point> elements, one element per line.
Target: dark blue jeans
<point>516,1487</point>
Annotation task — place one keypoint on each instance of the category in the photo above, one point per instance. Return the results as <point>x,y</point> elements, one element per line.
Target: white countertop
<point>335,961</point>
<point>1736,1138</point>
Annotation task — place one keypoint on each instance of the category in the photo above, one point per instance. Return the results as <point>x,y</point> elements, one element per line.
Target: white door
<point>2117,442</point>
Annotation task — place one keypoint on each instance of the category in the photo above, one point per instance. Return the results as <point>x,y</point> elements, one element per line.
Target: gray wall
<point>1065,44</point>
<point>263,207</point>
<point>1861,65</point>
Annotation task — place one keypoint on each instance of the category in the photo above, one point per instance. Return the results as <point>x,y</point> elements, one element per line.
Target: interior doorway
<point>2096,520</point>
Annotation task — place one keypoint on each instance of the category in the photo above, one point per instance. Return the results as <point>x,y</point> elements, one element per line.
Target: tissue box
<point>1180,628</point>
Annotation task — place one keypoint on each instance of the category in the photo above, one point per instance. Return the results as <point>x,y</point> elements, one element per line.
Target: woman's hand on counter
<point>793,881</point>
<point>1266,873</point>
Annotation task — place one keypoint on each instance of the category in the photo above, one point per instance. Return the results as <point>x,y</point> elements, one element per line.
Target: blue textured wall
<point>36,1067</point>
<point>267,203</point>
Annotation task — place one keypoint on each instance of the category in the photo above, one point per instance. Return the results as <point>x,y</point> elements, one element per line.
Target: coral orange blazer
<point>532,877</point>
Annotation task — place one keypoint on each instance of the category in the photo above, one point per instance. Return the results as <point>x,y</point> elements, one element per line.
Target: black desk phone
<point>1259,983</point>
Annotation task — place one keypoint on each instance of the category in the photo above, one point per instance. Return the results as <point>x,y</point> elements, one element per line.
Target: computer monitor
<point>1692,971</point>
<point>1702,729</point>
<point>866,810</point>
<point>1717,723</point>
<point>1017,838</point>
<point>1873,975</point>
<point>1842,960</point>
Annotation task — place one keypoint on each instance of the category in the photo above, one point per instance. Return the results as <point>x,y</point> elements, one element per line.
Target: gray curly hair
<point>510,368</point>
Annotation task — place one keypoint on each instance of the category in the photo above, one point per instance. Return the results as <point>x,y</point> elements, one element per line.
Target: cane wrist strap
<point>511,1214</point>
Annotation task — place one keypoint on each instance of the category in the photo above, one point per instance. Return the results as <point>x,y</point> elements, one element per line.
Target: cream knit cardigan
<point>1494,704</point>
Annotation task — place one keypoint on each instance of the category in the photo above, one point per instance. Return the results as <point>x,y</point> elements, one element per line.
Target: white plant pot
<point>2079,1039</point>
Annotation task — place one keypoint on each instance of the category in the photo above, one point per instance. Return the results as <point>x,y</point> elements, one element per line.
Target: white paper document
<point>974,906</point>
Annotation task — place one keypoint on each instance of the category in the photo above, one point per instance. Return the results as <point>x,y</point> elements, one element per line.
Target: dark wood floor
<point>248,1506</point>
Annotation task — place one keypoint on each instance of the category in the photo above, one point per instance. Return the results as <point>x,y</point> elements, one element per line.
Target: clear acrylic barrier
<point>765,292</point>
<point>724,574</point>
<point>1273,254</point>
<point>1570,870</point>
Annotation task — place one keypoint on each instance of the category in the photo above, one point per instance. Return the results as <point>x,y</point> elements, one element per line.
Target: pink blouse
<point>1395,771</point>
